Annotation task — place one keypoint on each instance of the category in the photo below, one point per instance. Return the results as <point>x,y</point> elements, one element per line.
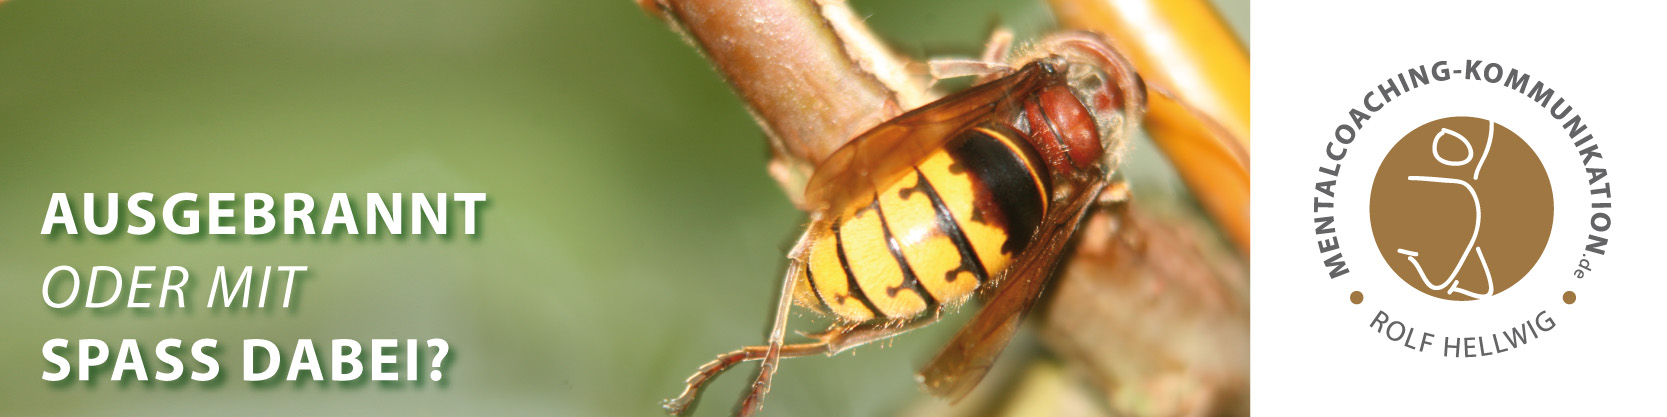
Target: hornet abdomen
<point>931,238</point>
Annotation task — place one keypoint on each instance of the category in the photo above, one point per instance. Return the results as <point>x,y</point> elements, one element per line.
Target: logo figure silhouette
<point>1461,208</point>
<point>1451,284</point>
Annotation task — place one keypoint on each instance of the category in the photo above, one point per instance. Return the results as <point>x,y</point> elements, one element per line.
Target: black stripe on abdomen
<point>851,285</point>
<point>1004,183</point>
<point>810,277</point>
<point>946,222</point>
<point>910,282</point>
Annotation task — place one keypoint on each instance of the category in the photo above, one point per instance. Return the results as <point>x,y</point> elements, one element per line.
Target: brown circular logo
<point>1461,208</point>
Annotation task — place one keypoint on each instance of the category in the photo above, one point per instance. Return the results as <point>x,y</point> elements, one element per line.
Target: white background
<point>1312,352</point>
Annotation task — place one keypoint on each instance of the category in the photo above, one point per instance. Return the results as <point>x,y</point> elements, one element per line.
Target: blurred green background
<point>631,231</point>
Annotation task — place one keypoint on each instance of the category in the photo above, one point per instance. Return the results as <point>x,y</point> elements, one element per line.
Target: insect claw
<point>675,406</point>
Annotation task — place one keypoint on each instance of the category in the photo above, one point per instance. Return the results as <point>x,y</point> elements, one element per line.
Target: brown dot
<point>1568,297</point>
<point>1356,297</point>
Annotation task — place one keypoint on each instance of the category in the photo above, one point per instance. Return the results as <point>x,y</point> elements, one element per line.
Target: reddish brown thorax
<point>1063,129</point>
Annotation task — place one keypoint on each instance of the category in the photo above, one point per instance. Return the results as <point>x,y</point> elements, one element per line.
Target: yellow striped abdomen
<point>931,238</point>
